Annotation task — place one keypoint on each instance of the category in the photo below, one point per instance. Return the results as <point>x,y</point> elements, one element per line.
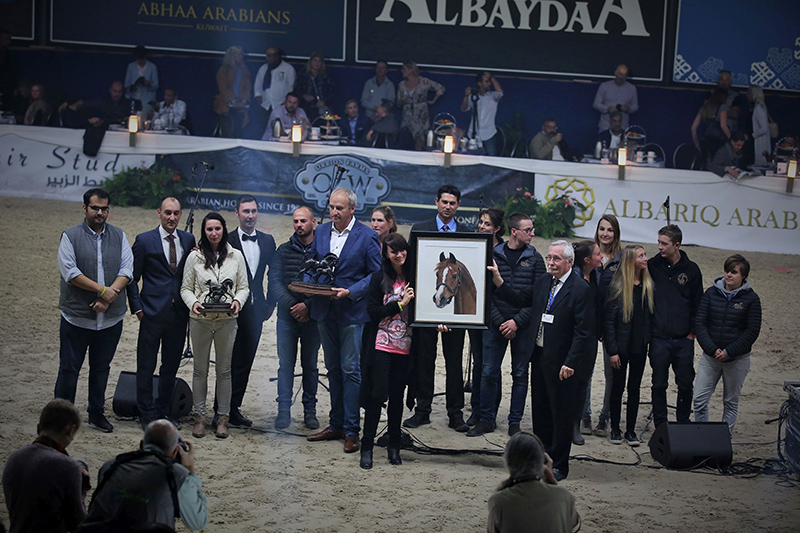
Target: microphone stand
<point>474,114</point>
<point>187,353</point>
<point>337,177</point>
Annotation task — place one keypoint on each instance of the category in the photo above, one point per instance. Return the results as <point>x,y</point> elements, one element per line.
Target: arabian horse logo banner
<point>450,278</point>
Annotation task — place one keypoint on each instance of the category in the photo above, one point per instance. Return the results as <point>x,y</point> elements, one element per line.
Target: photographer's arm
<point>191,498</point>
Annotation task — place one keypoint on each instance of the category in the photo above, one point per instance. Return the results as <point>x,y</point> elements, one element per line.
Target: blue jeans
<point>709,370</point>
<point>102,344</point>
<point>678,353</point>
<point>494,348</point>
<point>342,346</point>
<point>288,333</point>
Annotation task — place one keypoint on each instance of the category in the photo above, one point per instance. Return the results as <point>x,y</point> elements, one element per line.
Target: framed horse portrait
<point>450,279</point>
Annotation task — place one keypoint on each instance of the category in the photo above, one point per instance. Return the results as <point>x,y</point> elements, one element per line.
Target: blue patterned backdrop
<point>758,41</point>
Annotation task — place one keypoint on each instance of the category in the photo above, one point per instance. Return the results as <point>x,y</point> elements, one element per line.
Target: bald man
<point>617,94</point>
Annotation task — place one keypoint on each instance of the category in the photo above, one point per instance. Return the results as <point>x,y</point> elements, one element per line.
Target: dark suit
<point>163,322</point>
<point>363,125</point>
<point>553,399</point>
<point>251,318</point>
<point>425,358</point>
<point>605,137</point>
<point>341,322</point>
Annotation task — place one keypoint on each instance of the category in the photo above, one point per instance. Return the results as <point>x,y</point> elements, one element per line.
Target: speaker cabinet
<point>124,403</point>
<point>689,445</point>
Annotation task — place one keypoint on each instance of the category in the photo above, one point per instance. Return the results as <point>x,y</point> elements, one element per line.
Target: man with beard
<point>549,144</point>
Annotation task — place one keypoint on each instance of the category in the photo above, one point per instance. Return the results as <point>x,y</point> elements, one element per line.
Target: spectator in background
<point>9,70</point>
<point>45,489</point>
<point>315,87</point>
<point>115,108</point>
<point>549,144</point>
<point>354,125</point>
<point>233,100</point>
<point>412,95</point>
<point>289,114</point>
<point>613,136</point>
<point>761,138</point>
<point>141,79</point>
<point>38,111</point>
<point>382,221</point>
<point>21,99</point>
<point>274,80</point>
<point>530,500</point>
<point>384,130</point>
<point>171,111</point>
<point>616,95</point>
<point>712,136</point>
<point>377,89</point>
<point>482,125</point>
<point>73,117</point>
<point>727,160</point>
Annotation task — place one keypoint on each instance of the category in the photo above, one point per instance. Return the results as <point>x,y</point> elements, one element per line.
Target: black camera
<point>183,446</point>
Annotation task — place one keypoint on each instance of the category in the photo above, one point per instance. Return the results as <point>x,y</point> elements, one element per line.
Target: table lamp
<point>297,136</point>
<point>622,160</point>
<point>448,149</point>
<point>133,127</point>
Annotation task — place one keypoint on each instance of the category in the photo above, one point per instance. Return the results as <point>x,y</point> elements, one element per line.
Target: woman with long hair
<point>627,331</point>
<point>412,96</point>
<point>315,87</point>
<point>761,138</point>
<point>530,500</point>
<point>607,237</point>
<point>386,347</point>
<point>38,111</point>
<point>728,323</point>
<point>233,82</point>
<point>587,259</point>
<point>382,221</point>
<point>214,265</point>
<point>714,125</point>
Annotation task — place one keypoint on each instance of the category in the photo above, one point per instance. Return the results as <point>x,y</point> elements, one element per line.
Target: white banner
<point>710,211</point>
<point>34,169</point>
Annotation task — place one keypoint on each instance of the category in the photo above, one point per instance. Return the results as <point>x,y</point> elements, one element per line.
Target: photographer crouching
<point>482,98</point>
<point>150,487</point>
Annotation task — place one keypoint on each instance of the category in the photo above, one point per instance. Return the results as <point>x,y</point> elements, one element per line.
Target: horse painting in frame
<point>454,284</point>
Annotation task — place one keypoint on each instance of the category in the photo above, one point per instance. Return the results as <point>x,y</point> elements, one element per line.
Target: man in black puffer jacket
<point>679,288</point>
<point>728,323</point>
<point>295,322</point>
<point>520,265</point>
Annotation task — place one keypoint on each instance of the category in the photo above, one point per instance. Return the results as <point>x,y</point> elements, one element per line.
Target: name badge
<point>547,318</point>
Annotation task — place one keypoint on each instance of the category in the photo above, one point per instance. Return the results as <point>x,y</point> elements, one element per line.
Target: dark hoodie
<point>678,290</point>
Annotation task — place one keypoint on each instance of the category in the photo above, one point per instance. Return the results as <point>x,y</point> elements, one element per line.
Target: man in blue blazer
<point>158,259</point>
<point>354,125</point>
<point>341,318</point>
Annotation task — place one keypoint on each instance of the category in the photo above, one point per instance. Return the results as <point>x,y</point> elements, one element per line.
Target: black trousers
<point>453,348</point>
<point>244,353</point>
<point>552,405</point>
<point>636,363</point>
<point>389,372</point>
<point>168,332</point>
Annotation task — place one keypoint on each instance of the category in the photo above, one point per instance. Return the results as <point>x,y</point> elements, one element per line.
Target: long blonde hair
<point>623,282</point>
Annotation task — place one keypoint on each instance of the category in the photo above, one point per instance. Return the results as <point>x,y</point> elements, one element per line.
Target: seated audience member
<point>376,90</point>
<point>530,500</point>
<point>171,111</point>
<point>39,110</point>
<point>727,159</point>
<point>289,113</point>
<point>73,117</point>
<point>141,79</point>
<point>384,130</point>
<point>232,103</point>
<point>21,99</point>
<point>354,125</point>
<point>549,144</point>
<point>45,489</point>
<point>315,87</point>
<point>141,488</point>
<point>115,108</point>
<point>612,137</point>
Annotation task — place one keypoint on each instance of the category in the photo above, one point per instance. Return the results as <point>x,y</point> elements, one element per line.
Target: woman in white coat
<point>761,138</point>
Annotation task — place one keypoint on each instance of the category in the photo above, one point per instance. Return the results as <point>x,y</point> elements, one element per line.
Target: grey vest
<point>74,301</point>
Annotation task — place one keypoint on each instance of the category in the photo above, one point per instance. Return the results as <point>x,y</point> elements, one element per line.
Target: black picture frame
<point>452,303</point>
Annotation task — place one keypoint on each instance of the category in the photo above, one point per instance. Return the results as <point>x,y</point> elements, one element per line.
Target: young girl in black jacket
<point>626,332</point>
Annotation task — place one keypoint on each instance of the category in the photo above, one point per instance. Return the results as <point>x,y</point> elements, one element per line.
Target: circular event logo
<point>578,188</point>
<point>315,181</point>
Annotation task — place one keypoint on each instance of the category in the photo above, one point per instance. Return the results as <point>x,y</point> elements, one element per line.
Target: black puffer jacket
<point>730,320</point>
<point>286,263</point>
<point>617,334</point>
<point>520,278</point>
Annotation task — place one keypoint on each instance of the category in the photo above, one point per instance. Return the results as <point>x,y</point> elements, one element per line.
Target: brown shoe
<point>326,434</point>
<point>351,444</point>
<point>199,428</point>
<point>222,427</point>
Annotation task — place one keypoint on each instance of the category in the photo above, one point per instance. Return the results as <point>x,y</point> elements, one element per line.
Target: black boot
<point>366,454</point>
<point>394,456</point>
<point>577,438</point>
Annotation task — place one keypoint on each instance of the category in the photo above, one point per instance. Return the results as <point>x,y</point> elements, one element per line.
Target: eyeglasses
<point>529,231</point>
<point>98,208</point>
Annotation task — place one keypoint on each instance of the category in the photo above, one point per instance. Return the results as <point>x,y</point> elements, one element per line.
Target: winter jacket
<point>520,278</point>
<point>730,320</point>
<point>288,261</point>
<point>679,288</point>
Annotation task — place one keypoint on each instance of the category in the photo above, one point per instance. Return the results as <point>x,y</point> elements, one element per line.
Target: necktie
<point>173,253</point>
<point>549,303</point>
<point>445,228</point>
<point>246,237</point>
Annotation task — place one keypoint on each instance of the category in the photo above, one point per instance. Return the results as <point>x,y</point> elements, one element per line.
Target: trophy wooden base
<point>312,289</point>
<point>221,308</point>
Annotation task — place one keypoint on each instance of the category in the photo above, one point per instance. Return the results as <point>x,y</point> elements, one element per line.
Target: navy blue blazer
<point>363,125</point>
<point>360,257</point>
<point>160,285</point>
<point>257,302</point>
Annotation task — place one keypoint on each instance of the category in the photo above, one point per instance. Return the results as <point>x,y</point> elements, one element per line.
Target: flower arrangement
<point>551,219</point>
<point>144,186</point>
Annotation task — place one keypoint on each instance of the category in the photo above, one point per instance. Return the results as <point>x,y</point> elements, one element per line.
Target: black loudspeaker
<point>124,403</point>
<point>691,444</point>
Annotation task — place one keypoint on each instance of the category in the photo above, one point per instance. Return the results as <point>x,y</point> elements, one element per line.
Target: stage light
<point>133,127</point>
<point>791,174</point>
<point>448,149</point>
<point>622,160</point>
<point>297,136</point>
